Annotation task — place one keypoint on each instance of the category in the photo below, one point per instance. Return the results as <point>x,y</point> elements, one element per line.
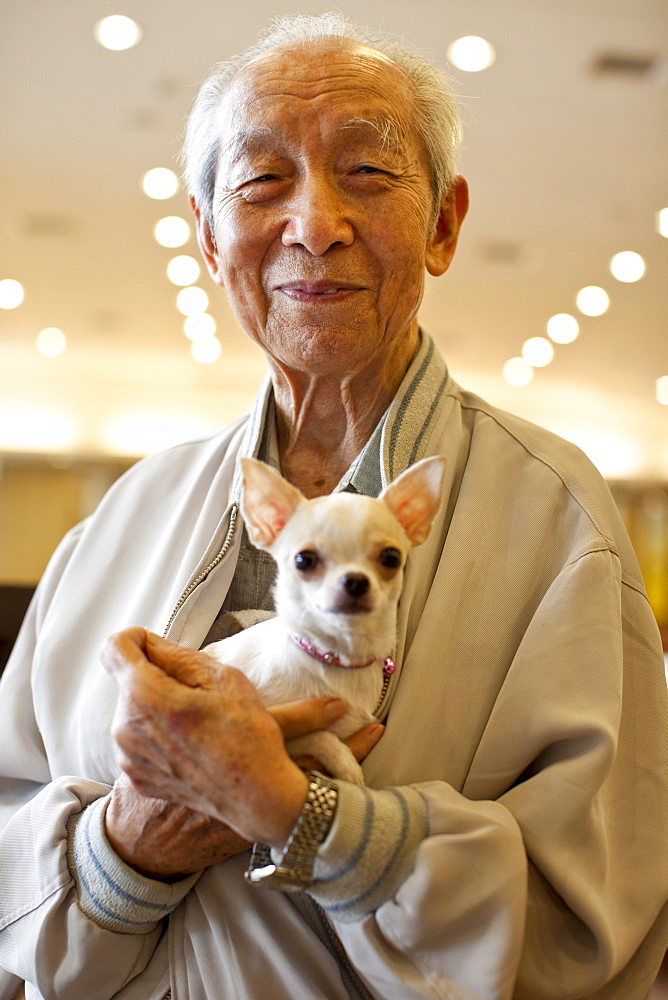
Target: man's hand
<point>165,841</point>
<point>194,733</point>
<point>162,840</point>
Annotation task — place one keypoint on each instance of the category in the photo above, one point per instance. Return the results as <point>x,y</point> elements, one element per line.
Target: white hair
<point>436,119</point>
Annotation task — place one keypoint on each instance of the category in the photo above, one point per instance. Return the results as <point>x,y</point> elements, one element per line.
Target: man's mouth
<point>311,290</point>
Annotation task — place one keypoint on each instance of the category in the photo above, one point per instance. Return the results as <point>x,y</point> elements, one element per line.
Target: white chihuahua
<point>340,565</point>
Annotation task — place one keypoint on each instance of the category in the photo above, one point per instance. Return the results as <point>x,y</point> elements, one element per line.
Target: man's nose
<point>317,218</point>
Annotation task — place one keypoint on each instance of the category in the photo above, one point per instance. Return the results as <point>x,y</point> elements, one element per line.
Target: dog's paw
<point>330,755</point>
<point>348,770</point>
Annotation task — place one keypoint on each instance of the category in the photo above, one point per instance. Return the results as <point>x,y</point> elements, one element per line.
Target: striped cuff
<point>111,893</point>
<point>370,849</point>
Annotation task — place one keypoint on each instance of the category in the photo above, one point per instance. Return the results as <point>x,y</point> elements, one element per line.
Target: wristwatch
<point>294,869</point>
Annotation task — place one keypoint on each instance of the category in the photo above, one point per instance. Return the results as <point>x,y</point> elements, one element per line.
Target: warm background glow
<point>565,156</point>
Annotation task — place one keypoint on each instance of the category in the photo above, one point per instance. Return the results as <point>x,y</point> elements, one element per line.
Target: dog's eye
<point>390,558</point>
<point>306,560</point>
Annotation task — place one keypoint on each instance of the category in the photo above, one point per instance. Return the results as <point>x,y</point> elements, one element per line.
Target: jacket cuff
<point>111,893</point>
<point>370,849</point>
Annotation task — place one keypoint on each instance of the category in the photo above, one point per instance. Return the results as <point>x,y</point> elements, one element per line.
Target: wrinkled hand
<point>162,840</point>
<point>194,732</point>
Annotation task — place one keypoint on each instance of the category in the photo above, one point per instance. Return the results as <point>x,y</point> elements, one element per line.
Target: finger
<point>123,652</point>
<point>135,654</point>
<point>310,764</point>
<point>189,666</point>
<point>364,740</point>
<point>299,717</point>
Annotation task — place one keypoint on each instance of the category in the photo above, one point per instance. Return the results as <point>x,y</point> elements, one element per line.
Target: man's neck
<point>323,422</point>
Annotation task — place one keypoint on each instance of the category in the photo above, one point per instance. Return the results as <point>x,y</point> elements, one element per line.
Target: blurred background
<point>110,350</point>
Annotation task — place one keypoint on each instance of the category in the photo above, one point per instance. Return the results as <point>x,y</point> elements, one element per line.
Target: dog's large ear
<point>268,502</point>
<point>415,496</point>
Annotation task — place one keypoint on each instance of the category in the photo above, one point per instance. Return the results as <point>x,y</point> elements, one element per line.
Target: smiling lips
<point>309,291</point>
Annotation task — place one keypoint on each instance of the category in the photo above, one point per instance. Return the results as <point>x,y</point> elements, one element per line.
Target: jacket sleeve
<point>45,938</point>
<point>546,878</point>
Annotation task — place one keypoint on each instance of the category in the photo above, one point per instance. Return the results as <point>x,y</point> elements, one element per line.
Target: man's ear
<point>206,242</point>
<point>442,246</point>
<point>268,502</point>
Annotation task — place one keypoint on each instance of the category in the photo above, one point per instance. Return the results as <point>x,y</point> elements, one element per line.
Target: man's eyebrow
<point>388,130</point>
<point>250,140</point>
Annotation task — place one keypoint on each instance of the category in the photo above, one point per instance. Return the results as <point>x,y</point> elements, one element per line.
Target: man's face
<point>323,209</point>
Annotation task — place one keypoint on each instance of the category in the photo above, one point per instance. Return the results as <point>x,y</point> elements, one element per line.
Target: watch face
<point>278,877</point>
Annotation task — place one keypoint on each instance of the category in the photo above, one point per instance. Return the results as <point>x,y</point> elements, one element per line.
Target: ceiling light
<point>117,32</point>
<point>627,266</point>
<point>183,270</point>
<point>192,300</point>
<point>160,183</point>
<point>51,342</point>
<point>662,221</point>
<point>517,372</point>
<point>11,293</point>
<point>537,351</point>
<point>172,231</point>
<point>199,327</point>
<point>592,300</point>
<point>206,351</point>
<point>662,389</point>
<point>562,328</point>
<point>471,53</point>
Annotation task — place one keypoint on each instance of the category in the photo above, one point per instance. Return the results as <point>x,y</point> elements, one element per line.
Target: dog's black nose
<point>355,584</point>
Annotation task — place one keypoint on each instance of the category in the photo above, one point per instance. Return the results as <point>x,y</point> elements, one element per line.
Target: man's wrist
<point>110,892</point>
<point>292,867</point>
<point>285,811</point>
<point>121,848</point>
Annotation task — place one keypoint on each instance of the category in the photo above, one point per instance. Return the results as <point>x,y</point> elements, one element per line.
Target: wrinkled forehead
<point>328,77</point>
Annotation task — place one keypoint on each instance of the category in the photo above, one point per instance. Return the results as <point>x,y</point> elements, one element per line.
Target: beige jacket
<point>529,711</point>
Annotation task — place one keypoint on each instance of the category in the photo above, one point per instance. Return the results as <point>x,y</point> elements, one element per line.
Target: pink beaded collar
<point>334,660</point>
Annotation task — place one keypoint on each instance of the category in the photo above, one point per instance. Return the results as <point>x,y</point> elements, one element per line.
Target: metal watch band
<point>294,870</point>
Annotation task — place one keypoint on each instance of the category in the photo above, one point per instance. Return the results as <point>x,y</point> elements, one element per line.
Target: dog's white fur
<point>350,535</point>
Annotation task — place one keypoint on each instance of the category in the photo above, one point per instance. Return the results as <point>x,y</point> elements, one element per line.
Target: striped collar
<point>402,434</point>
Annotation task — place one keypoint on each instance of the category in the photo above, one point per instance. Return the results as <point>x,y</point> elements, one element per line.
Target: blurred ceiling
<point>565,150</point>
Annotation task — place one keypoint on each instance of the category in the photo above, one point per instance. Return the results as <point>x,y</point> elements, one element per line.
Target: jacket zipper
<point>386,683</point>
<point>194,584</point>
<point>351,980</point>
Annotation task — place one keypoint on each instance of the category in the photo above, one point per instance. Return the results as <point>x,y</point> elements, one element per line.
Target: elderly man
<point>510,841</point>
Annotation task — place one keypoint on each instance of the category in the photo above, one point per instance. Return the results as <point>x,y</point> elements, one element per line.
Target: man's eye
<point>390,558</point>
<point>266,177</point>
<point>366,168</point>
<point>306,560</point>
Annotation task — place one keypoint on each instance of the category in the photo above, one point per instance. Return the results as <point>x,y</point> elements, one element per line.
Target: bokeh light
<point>117,32</point>
<point>592,300</point>
<point>172,231</point>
